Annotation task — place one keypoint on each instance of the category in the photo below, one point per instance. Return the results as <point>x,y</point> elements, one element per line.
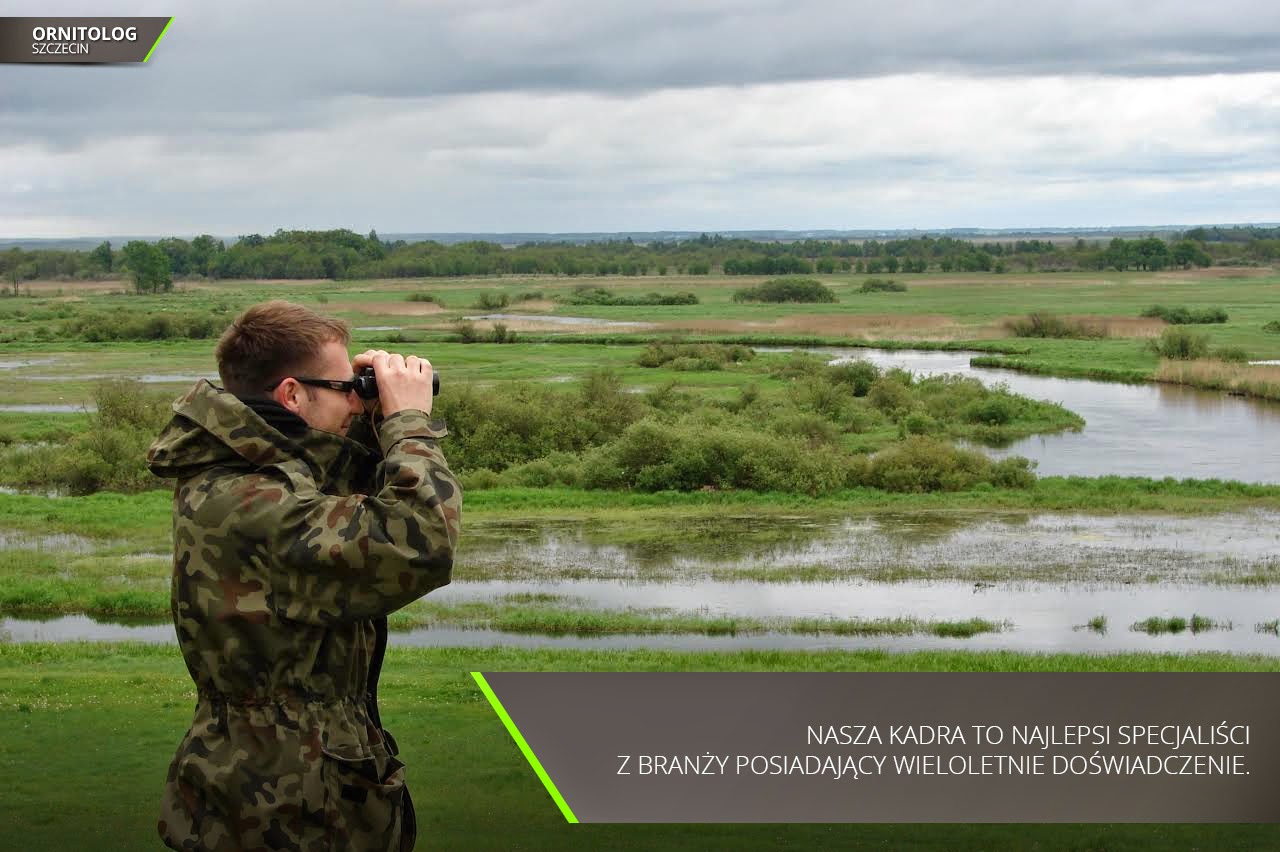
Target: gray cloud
<point>237,67</point>
<point>558,115</point>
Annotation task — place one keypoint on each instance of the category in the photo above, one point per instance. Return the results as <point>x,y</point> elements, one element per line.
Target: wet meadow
<point>977,472</point>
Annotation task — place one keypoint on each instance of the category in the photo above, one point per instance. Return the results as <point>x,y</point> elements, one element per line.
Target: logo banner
<point>94,41</point>
<point>898,747</point>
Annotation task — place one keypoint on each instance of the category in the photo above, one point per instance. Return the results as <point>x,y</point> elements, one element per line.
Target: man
<point>299,523</point>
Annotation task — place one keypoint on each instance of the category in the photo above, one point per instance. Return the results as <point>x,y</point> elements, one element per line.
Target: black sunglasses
<point>364,386</point>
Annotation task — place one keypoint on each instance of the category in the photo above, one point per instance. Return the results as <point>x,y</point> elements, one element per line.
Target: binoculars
<point>367,384</point>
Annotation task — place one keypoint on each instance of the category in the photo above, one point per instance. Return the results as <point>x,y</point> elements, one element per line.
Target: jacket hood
<point>211,426</point>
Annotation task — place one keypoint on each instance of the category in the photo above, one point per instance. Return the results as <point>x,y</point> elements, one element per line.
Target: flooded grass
<point>552,620</point>
<point>1158,625</point>
<point>1097,624</point>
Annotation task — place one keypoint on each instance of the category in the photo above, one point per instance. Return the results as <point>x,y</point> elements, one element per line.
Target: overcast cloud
<point>560,116</point>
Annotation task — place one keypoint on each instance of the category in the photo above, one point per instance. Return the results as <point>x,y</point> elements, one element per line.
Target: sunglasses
<point>365,386</point>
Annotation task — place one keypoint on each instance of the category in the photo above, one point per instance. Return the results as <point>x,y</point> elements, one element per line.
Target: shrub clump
<point>693,356</point>
<point>787,290</point>
<point>110,454</point>
<point>1182,315</point>
<point>688,456</point>
<point>425,297</point>
<point>1231,354</point>
<point>492,301</point>
<point>599,296</point>
<point>921,464</point>
<point>1272,327</point>
<point>1053,326</point>
<point>99,327</point>
<point>882,285</point>
<point>1181,344</point>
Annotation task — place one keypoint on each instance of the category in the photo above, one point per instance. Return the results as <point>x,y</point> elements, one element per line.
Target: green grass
<point>976,304</point>
<point>129,704</point>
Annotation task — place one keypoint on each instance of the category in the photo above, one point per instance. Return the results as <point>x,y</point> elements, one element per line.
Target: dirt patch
<point>535,324</point>
<point>1096,326</point>
<point>399,309</point>
<point>859,326</point>
<point>1214,272</point>
<point>1130,326</point>
<point>44,288</point>
<point>533,305</point>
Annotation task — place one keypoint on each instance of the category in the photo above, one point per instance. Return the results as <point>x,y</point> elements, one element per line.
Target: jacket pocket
<point>365,805</point>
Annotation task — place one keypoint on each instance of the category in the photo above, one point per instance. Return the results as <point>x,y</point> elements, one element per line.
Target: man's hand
<point>404,382</point>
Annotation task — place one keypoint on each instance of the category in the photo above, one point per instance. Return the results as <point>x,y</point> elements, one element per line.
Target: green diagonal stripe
<point>162,32</point>
<point>524,747</point>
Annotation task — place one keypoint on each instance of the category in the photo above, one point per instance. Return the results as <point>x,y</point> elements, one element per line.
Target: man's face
<point>325,408</point>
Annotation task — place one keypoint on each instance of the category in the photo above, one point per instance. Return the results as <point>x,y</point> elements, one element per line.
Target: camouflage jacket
<point>289,552</point>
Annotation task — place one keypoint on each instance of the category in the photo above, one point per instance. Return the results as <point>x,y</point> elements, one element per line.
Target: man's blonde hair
<point>271,341</point>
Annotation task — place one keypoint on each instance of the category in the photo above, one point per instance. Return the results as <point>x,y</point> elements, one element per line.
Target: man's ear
<point>287,393</point>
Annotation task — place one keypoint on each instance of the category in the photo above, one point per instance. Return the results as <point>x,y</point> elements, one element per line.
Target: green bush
<point>992,411</point>
<point>857,376</point>
<point>919,423</point>
<point>797,365</point>
<point>586,295</point>
<point>1053,326</point>
<point>1232,354</point>
<point>809,290</point>
<point>497,428</point>
<point>492,301</point>
<point>109,455</point>
<point>694,364</point>
<point>1182,315</point>
<point>1181,344</point>
<point>921,464</point>
<point>687,456</point>
<point>425,297</point>
<point>882,285</point>
<point>890,394</point>
<point>122,324</point>
<point>466,332</point>
<point>718,354</point>
<point>1272,327</point>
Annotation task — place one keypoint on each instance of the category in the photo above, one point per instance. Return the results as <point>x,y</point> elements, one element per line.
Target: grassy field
<point>86,732</point>
<point>88,729</point>
<point>936,310</point>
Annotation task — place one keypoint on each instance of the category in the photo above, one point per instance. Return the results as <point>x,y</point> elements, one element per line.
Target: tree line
<point>344,254</point>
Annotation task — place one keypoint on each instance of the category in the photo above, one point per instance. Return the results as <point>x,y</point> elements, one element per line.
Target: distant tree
<point>179,252</point>
<point>203,250</point>
<point>149,266</point>
<point>100,258</point>
<point>1188,252</point>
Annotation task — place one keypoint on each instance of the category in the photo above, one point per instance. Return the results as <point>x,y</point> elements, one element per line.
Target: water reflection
<point>1043,616</point>
<point>938,544</point>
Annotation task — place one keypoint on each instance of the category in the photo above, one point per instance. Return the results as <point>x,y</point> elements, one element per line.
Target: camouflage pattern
<point>288,555</point>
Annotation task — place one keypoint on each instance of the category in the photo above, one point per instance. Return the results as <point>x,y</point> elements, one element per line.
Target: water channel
<point>1154,430</point>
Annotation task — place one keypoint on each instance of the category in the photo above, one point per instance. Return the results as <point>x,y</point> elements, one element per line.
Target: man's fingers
<point>366,359</point>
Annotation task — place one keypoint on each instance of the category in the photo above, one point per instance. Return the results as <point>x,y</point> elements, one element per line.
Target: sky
<point>558,116</point>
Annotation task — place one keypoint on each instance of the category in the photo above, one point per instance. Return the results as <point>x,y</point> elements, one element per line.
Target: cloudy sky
<point>551,115</point>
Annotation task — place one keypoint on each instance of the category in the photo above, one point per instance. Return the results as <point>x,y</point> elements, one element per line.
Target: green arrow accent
<point>153,47</point>
<point>524,747</point>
